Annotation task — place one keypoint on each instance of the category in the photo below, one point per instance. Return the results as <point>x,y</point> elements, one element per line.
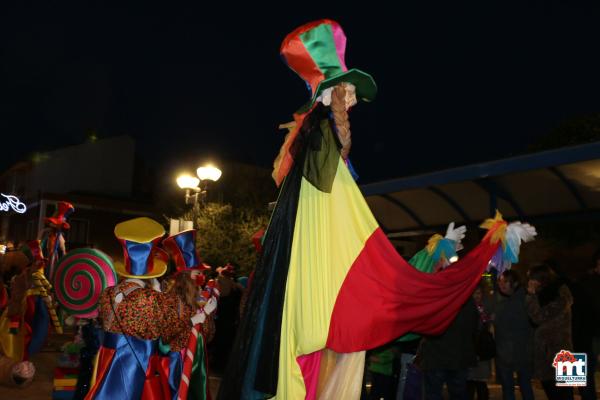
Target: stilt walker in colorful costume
<point>15,332</point>
<point>24,324</point>
<point>53,248</point>
<point>186,361</point>
<point>52,236</point>
<point>134,315</point>
<point>329,284</point>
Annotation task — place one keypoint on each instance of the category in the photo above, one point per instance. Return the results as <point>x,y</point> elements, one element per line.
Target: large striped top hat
<point>316,51</point>
<point>63,211</point>
<point>141,256</point>
<point>182,249</point>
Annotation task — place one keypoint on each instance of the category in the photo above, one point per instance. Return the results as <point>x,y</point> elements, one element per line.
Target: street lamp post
<point>195,187</point>
<point>207,174</point>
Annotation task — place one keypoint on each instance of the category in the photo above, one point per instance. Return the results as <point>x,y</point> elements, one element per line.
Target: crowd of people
<point>514,325</point>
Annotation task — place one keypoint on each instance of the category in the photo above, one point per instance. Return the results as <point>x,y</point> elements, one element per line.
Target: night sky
<point>457,84</point>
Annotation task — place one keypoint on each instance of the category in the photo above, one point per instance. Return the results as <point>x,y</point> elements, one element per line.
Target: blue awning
<point>561,183</point>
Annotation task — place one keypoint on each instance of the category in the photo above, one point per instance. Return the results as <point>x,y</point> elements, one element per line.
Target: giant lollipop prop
<point>79,280</point>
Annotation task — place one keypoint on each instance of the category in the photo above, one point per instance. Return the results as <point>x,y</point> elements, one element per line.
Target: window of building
<point>30,232</point>
<point>78,235</point>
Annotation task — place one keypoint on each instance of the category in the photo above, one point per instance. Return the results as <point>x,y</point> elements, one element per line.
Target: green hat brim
<point>366,88</point>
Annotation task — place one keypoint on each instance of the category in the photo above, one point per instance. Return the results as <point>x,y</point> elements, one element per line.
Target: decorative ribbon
<point>188,361</point>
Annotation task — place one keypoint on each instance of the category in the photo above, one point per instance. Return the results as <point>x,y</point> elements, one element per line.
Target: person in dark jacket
<point>588,328</point>
<point>478,376</point>
<point>445,359</point>
<point>549,304</point>
<point>514,337</point>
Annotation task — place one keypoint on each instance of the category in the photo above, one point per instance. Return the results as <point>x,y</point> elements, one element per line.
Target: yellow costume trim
<point>496,229</point>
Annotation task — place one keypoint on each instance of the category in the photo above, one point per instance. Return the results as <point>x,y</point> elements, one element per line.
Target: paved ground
<point>41,388</point>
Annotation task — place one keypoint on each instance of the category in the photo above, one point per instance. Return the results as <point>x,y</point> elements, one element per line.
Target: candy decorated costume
<point>329,284</point>
<point>133,317</point>
<point>184,357</point>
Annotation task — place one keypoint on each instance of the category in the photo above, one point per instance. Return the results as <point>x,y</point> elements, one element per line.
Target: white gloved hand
<point>325,96</point>
<point>210,306</point>
<point>524,232</point>
<point>199,318</point>
<point>457,235</point>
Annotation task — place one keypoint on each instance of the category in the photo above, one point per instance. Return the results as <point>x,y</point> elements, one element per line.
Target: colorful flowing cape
<point>330,279</point>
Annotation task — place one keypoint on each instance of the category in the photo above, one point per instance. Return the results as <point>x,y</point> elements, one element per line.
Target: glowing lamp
<point>209,172</point>
<point>187,181</point>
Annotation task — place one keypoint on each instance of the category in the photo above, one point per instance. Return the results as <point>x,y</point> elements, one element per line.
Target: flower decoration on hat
<point>142,258</point>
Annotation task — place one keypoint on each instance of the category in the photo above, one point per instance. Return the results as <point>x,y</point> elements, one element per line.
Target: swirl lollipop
<point>80,278</point>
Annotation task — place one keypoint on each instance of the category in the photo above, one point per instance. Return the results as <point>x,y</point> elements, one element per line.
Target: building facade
<point>97,177</point>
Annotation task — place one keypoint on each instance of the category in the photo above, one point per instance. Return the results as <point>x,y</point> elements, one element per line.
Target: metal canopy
<point>551,184</point>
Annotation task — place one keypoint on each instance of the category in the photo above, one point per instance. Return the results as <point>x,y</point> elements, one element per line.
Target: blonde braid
<point>340,116</point>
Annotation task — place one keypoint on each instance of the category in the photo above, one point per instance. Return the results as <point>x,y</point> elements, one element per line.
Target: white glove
<point>457,235</point>
<point>524,232</point>
<point>325,96</point>
<point>199,318</point>
<point>210,306</point>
